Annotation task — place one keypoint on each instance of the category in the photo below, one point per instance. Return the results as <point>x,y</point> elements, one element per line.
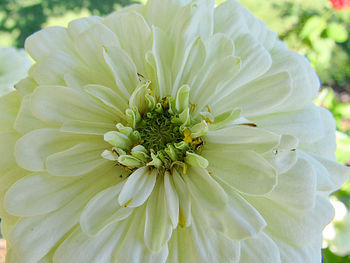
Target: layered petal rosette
<point>13,67</point>
<point>170,132</point>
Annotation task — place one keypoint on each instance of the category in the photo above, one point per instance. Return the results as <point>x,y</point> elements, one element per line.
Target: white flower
<point>171,132</point>
<point>13,67</point>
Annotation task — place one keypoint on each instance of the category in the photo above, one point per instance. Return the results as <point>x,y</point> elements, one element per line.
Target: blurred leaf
<point>314,25</point>
<point>337,32</point>
<point>343,109</point>
<point>343,147</point>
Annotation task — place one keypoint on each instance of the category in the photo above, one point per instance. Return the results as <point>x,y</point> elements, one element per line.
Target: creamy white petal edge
<point>262,196</point>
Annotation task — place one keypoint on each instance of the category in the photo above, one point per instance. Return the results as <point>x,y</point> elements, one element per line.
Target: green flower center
<point>159,134</point>
<point>157,130</point>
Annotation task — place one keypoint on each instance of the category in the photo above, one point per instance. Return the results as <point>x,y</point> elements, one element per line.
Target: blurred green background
<point>313,28</point>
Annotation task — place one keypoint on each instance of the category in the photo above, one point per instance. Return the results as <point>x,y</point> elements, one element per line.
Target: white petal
<point>41,44</point>
<point>109,98</point>
<point>185,216</point>
<point>87,127</point>
<point>246,171</point>
<point>304,124</point>
<point>123,69</point>
<point>138,187</point>
<point>9,105</point>
<point>56,104</point>
<point>41,193</point>
<point>172,199</point>
<point>43,143</point>
<point>158,227</point>
<point>134,35</point>
<point>238,220</point>
<point>34,237</point>
<point>203,187</point>
<point>103,210</point>
<point>78,160</point>
<point>299,228</point>
<point>209,245</point>
<point>7,142</point>
<point>297,187</point>
<point>25,120</point>
<point>259,249</point>
<point>268,93</point>
<point>80,25</point>
<point>180,247</point>
<point>239,137</point>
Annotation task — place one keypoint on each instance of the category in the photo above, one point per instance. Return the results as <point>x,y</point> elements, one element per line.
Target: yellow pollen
<point>127,203</point>
<point>182,220</point>
<point>192,107</point>
<point>187,135</point>
<point>207,106</point>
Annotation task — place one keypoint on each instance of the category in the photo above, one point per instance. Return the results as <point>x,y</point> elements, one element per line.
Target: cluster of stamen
<point>158,133</point>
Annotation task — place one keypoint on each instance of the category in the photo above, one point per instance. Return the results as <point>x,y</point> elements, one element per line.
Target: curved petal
<point>260,249</point>
<point>246,171</point>
<point>55,104</point>
<point>78,160</point>
<point>205,189</point>
<point>158,227</point>
<point>43,143</point>
<point>103,210</point>
<point>240,138</point>
<point>138,187</point>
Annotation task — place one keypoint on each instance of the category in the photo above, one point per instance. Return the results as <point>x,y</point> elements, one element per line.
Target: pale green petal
<point>297,187</point>
<point>122,68</point>
<point>90,46</point>
<point>138,187</point>
<point>238,220</point>
<point>87,127</point>
<point>180,247</point>
<point>160,59</point>
<point>205,189</point>
<point>246,171</point>
<point>103,210</point>
<point>299,228</point>
<point>297,254</point>
<point>259,249</point>
<point>158,226</point>
<point>268,93</point>
<point>304,124</point>
<point>209,245</point>
<point>172,199</point>
<point>25,120</point>
<point>80,25</point>
<point>51,71</point>
<point>55,104</point>
<point>108,97</point>
<point>7,142</point>
<point>39,194</point>
<point>239,137</point>
<point>9,105</point>
<point>184,199</point>
<point>41,44</point>
<point>43,143</point>
<point>134,35</point>
<point>34,237</point>
<point>78,160</point>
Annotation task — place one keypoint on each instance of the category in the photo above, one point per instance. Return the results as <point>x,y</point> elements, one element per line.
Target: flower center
<point>159,133</point>
<point>157,130</point>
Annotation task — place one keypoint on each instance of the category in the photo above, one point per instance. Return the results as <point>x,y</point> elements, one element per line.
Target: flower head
<point>13,67</point>
<point>170,132</point>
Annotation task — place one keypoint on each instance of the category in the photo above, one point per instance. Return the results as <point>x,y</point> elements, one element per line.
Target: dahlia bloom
<point>13,67</point>
<point>170,132</point>
<point>340,4</point>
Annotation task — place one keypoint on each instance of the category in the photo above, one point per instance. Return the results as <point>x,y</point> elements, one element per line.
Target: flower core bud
<point>159,133</point>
